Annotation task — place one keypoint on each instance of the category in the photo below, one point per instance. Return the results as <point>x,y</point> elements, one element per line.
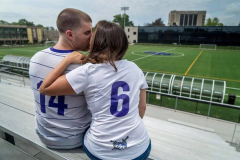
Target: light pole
<point>124,9</point>
<point>179,40</point>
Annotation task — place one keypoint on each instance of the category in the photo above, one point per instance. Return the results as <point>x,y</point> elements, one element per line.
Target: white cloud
<point>233,8</point>
<point>140,11</point>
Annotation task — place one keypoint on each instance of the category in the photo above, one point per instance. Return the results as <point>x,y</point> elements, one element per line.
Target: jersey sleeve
<point>144,84</point>
<point>77,78</point>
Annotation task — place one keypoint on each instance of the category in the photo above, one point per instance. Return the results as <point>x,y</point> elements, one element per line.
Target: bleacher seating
<point>170,141</point>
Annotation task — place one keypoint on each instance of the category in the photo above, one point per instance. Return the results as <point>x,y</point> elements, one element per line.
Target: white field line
<point>236,95</point>
<point>152,55</point>
<point>233,88</point>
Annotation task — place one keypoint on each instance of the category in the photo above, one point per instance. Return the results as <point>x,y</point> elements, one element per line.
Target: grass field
<point>210,64</point>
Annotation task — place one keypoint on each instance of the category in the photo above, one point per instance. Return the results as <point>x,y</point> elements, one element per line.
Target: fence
<point>196,106</point>
<point>189,46</point>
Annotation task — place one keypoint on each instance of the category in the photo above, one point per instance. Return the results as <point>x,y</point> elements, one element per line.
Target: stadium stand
<point>172,141</point>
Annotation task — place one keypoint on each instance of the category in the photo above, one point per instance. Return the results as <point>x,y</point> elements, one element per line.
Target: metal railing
<point>177,97</point>
<point>18,69</point>
<point>12,75</point>
<point>237,124</point>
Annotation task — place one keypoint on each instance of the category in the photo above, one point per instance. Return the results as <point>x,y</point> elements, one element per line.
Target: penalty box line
<point>152,55</point>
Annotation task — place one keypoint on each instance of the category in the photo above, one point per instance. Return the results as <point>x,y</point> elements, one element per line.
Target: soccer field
<point>209,64</point>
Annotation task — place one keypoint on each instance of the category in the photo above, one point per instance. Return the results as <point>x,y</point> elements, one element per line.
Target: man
<point>61,120</point>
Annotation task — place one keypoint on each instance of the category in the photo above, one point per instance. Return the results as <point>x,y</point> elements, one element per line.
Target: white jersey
<point>60,120</point>
<point>117,131</point>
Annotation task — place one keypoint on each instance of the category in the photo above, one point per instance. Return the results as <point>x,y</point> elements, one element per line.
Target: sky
<point>45,12</point>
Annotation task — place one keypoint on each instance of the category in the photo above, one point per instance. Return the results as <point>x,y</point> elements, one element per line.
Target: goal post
<point>208,46</point>
<point>50,43</point>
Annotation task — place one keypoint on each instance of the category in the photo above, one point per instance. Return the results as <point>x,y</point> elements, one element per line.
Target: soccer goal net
<point>50,43</point>
<point>208,46</point>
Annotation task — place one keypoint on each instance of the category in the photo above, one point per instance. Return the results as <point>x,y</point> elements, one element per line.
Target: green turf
<point>25,51</point>
<point>212,64</point>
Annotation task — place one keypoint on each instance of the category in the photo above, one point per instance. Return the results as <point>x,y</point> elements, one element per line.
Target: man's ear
<point>69,35</point>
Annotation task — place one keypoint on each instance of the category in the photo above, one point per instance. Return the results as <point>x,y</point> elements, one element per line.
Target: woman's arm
<point>142,103</point>
<point>55,84</point>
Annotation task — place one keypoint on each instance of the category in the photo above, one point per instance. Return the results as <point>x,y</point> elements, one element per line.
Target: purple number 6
<point>115,98</point>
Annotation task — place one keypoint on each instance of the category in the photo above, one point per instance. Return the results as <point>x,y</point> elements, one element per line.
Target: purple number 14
<point>60,105</point>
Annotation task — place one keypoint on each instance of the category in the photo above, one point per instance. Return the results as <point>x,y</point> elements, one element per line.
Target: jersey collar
<point>60,51</point>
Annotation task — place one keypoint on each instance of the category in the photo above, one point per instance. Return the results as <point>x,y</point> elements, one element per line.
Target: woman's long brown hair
<point>109,43</point>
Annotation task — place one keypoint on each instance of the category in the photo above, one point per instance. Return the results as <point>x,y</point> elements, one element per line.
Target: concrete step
<point>10,81</point>
<point>222,128</point>
<point>167,151</point>
<point>13,88</point>
<point>28,107</point>
<point>25,94</point>
<point>18,97</point>
<point>180,129</point>
<point>10,152</point>
<point>191,125</point>
<point>188,137</point>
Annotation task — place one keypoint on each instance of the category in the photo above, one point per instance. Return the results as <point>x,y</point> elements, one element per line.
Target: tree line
<point>26,22</point>
<point>119,18</point>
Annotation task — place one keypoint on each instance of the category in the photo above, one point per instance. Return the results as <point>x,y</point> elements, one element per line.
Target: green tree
<point>119,18</point>
<point>213,22</point>
<point>51,28</point>
<point>25,22</point>
<point>47,28</point>
<point>157,22</point>
<point>15,23</point>
<point>3,22</point>
<point>39,25</point>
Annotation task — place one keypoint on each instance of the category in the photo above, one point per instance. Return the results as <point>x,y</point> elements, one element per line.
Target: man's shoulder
<point>39,53</point>
<point>47,50</point>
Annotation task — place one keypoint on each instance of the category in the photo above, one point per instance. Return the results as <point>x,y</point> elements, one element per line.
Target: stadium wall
<point>29,33</point>
<point>22,34</point>
<point>132,34</point>
<point>13,34</point>
<point>187,35</point>
<point>39,34</point>
<point>186,18</point>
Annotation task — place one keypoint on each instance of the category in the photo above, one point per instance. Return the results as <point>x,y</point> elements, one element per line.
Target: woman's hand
<point>75,57</point>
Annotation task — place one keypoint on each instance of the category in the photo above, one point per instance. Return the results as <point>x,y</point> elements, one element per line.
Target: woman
<point>115,91</point>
